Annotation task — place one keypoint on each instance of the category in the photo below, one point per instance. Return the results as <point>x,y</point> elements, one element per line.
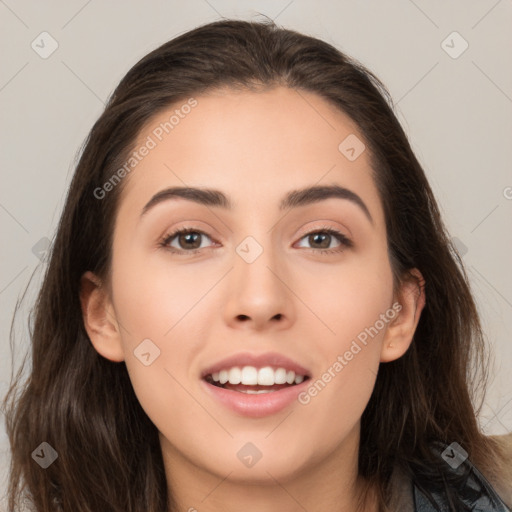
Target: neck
<point>331,483</point>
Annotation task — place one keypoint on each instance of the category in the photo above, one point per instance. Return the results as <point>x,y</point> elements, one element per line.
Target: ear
<point>99,318</point>
<point>400,331</point>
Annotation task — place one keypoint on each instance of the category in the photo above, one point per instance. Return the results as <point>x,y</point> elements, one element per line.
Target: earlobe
<point>400,332</point>
<point>99,318</point>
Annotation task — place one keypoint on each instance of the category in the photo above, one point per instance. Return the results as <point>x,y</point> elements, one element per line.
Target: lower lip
<point>255,405</point>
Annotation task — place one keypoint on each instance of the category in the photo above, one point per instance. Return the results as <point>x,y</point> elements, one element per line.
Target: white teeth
<point>251,376</point>
<point>266,376</point>
<point>235,375</point>
<point>280,376</point>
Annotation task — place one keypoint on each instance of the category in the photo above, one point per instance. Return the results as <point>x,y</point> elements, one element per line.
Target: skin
<point>255,147</point>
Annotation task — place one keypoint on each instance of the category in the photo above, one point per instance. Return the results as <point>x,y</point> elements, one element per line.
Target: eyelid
<point>345,232</point>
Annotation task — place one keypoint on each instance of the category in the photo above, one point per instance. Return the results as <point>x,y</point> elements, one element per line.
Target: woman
<point>195,349</point>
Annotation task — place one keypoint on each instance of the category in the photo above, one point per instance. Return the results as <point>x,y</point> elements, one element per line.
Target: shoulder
<point>401,488</point>
<point>503,483</point>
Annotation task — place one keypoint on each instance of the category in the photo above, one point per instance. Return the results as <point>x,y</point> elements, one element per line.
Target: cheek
<point>155,309</point>
<point>355,303</point>
<point>347,298</point>
<point>152,298</point>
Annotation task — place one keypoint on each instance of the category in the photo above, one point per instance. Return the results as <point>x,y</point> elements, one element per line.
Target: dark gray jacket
<point>470,491</point>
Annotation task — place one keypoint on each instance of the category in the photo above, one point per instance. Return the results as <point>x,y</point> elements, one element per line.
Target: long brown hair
<point>84,405</point>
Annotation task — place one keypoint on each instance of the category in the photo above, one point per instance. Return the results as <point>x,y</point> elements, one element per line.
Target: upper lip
<point>242,359</point>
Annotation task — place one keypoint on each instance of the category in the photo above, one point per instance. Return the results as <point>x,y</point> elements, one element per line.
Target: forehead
<point>253,145</point>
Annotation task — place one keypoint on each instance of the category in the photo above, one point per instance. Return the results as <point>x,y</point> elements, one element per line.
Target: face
<point>307,287</point>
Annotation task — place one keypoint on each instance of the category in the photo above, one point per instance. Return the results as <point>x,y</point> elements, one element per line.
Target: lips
<point>254,405</point>
<point>255,385</point>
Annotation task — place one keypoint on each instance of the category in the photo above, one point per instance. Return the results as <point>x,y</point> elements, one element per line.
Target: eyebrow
<point>293,199</point>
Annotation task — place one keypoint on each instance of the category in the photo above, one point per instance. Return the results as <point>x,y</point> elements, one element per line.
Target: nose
<point>259,293</point>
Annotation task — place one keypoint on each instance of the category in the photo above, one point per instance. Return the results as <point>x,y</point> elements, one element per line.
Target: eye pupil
<point>186,237</point>
<point>324,236</point>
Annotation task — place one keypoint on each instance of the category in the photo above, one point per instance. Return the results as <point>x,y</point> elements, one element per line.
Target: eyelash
<point>344,241</point>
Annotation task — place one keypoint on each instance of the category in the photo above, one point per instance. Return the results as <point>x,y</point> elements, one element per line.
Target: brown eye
<point>322,239</point>
<point>184,240</point>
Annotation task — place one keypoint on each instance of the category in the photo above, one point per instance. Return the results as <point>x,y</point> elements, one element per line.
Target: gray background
<point>457,112</point>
